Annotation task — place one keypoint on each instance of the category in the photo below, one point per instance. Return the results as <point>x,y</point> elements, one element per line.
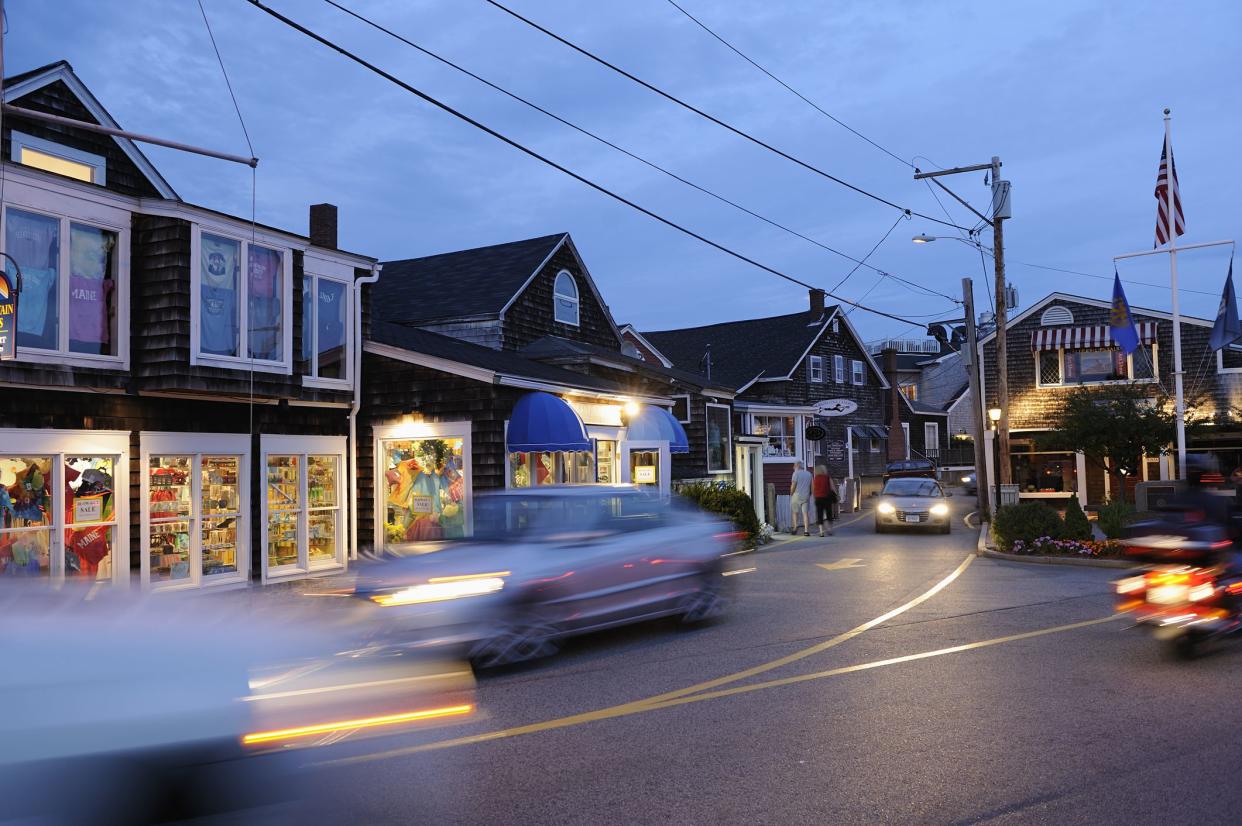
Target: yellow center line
<point>633,708</point>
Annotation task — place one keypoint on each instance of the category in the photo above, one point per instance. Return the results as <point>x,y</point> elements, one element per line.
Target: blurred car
<point>912,502</point>
<point>971,483</point>
<point>545,564</point>
<point>142,709</point>
<point>913,467</point>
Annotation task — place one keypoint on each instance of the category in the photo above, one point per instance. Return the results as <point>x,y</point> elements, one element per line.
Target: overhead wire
<point>548,161</point>
<point>718,121</point>
<point>791,89</point>
<point>633,155</point>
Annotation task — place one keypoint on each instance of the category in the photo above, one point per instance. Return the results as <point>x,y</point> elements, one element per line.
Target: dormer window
<point>565,298</point>
<point>28,150</point>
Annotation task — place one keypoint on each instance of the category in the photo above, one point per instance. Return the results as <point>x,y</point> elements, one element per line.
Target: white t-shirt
<point>802,484</point>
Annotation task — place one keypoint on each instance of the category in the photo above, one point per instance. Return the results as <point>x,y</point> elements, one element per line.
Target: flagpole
<point>1179,402</point>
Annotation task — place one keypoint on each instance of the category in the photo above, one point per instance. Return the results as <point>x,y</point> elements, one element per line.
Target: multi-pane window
<point>547,468</point>
<point>910,390</point>
<point>782,433</point>
<point>859,374</point>
<point>325,327</point>
<point>1096,365</point>
<point>719,438</point>
<point>304,528</point>
<point>838,369</point>
<point>195,519</point>
<point>241,300</point>
<point>565,298</point>
<point>815,368</point>
<point>71,294</point>
<point>426,487</point>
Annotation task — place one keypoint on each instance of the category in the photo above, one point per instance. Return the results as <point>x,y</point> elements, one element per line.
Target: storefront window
<point>323,474</point>
<point>425,489</point>
<point>1045,472</point>
<point>536,469</point>
<point>719,439</point>
<point>605,461</point>
<point>645,467</point>
<point>26,513</point>
<point>222,512</point>
<point>283,500</point>
<point>782,433</point>
<point>171,500</point>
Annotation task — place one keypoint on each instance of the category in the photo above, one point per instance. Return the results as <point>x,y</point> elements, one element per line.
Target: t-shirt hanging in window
<point>263,281</point>
<point>34,241</point>
<point>218,330</point>
<point>90,288</point>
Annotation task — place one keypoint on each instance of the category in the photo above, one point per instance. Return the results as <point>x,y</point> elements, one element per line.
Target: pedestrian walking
<point>800,498</point>
<point>825,492</point>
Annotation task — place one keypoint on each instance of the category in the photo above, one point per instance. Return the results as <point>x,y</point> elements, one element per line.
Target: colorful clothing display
<point>90,286</point>
<point>263,284</point>
<point>218,321</point>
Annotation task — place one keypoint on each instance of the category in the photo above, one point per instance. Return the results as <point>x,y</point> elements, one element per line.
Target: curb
<point>1059,560</point>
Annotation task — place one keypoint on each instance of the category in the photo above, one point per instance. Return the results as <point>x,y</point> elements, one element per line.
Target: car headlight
<point>966,479</point>
<point>886,508</point>
<point>441,589</point>
<point>939,509</point>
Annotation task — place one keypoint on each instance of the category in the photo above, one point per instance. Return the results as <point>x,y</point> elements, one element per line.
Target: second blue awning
<point>541,422</point>
<point>655,424</point>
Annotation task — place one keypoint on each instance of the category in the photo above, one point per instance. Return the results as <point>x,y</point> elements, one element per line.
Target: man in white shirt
<point>800,498</point>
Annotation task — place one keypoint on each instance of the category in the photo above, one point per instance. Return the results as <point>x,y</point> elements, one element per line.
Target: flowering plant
<point>1082,548</point>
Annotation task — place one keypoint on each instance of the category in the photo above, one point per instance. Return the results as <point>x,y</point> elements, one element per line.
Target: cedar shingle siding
<point>530,317</point>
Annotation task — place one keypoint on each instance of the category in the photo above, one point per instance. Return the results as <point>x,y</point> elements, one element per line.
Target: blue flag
<point>1120,321</point>
<point>1227,329</point>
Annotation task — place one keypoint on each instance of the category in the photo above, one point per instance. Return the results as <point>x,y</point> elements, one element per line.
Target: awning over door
<point>1086,338</point>
<point>870,431</point>
<point>542,422</point>
<point>655,424</point>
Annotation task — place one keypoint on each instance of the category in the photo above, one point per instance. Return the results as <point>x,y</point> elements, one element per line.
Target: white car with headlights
<point>913,502</point>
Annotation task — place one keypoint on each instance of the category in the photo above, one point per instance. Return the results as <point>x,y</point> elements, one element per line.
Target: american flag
<point>1168,170</point>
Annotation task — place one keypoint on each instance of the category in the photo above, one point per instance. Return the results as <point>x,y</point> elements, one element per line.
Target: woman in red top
<point>825,493</point>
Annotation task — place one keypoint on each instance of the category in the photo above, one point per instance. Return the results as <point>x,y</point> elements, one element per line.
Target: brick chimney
<point>817,301</point>
<point>323,225</point>
<point>896,436</point>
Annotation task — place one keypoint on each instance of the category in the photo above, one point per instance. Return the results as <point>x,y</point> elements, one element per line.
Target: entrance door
<point>931,440</point>
<point>647,465</point>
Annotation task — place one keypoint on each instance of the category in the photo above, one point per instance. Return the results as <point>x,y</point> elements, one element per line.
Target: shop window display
<point>240,316</point>
<point>322,519</point>
<point>193,511</point>
<point>283,500</point>
<point>536,469</point>
<point>645,467</point>
<point>171,502</point>
<point>26,515</point>
<point>221,513</point>
<point>425,489</point>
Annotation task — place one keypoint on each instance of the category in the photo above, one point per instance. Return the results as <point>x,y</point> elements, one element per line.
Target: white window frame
<point>838,369</point>
<point>815,369</point>
<point>905,429</point>
<point>59,444</point>
<point>1220,363</point>
<point>797,434</point>
<point>197,446</point>
<point>931,429</point>
<point>1060,351</point>
<point>303,447</point>
<point>689,415</point>
<point>313,271</point>
<point>425,430</point>
<point>67,211</point>
<point>240,361</point>
<point>97,163</point>
<point>558,296</point>
<point>858,372</point>
<point>728,451</point>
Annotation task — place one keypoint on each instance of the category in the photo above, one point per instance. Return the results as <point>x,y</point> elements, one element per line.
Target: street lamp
<point>994,414</point>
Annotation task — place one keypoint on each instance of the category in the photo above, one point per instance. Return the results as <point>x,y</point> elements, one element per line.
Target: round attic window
<point>1057,316</point>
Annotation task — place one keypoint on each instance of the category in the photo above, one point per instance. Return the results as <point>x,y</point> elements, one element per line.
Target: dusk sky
<point>1069,95</point>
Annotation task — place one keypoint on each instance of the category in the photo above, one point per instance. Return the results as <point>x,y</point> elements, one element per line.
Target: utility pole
<point>1000,211</point>
<point>973,365</point>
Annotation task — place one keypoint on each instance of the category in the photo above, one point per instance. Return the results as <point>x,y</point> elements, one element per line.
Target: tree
<point>1116,427</point>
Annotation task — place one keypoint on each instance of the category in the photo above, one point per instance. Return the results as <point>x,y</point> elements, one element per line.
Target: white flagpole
<point>1179,403</point>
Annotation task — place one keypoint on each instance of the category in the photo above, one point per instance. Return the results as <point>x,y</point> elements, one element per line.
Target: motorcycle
<point>1186,594</point>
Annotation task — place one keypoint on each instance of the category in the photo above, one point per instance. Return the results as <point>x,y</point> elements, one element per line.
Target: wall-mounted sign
<point>645,475</point>
<point>835,407</point>
<point>8,318</point>
<point>836,451</point>
<point>814,433</point>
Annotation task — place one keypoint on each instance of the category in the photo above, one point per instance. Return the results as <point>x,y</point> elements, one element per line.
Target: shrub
<point>727,501</point>
<point>1082,549</point>
<point>1114,516</point>
<point>1026,521</point>
<point>1076,524</point>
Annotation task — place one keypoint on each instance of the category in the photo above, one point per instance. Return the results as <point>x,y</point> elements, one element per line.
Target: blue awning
<point>655,424</point>
<point>542,422</point>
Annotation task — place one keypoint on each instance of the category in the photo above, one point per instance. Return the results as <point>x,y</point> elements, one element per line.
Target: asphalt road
<point>858,679</point>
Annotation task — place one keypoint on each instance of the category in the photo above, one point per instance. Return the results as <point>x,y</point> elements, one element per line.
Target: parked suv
<point>916,467</point>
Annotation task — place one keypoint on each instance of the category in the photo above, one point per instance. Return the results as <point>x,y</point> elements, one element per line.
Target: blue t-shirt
<point>218,321</point>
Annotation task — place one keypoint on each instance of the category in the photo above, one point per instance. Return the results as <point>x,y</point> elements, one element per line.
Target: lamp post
<point>994,415</point>
<point>1000,212</point>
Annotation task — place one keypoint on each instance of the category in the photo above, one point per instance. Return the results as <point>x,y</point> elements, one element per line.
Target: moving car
<point>913,467</point>
<point>970,481</point>
<point>913,502</point>
<point>546,564</point>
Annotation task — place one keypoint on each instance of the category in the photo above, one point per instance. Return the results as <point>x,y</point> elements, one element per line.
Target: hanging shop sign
<point>835,407</point>
<point>8,317</point>
<point>814,433</point>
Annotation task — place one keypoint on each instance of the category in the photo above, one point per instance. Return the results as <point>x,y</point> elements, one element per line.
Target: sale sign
<point>8,318</point>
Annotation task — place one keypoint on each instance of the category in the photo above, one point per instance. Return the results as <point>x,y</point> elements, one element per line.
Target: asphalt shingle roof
<point>742,350</point>
<point>475,355</point>
<point>463,284</point>
<point>550,347</point>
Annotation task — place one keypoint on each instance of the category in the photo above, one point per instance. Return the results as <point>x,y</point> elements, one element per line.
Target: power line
<point>713,118</point>
<point>227,83</point>
<point>532,153</point>
<point>514,96</point>
<point>801,96</point>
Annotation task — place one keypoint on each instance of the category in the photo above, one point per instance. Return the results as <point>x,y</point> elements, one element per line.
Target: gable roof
<point>24,83</point>
<point>476,361</point>
<point>744,350</point>
<point>629,329</point>
<point>474,283</point>
<point>1090,302</point>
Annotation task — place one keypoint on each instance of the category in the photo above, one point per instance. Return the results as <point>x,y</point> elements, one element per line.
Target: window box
<point>241,295</point>
<point>304,518</point>
<point>74,258</point>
